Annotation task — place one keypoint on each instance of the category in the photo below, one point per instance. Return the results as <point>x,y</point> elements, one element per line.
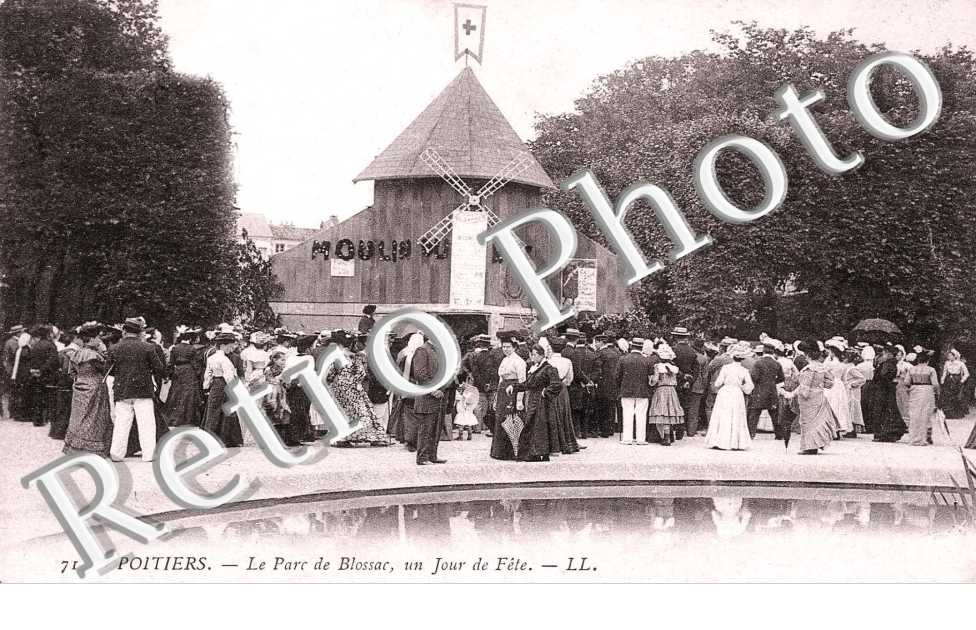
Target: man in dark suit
<point>765,372</point>
<point>686,360</point>
<point>477,362</point>
<point>632,376</point>
<point>44,365</point>
<point>606,400</point>
<point>427,409</point>
<point>577,389</point>
<point>134,363</point>
<point>588,357</point>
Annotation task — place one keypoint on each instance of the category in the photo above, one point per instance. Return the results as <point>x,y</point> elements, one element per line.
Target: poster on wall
<point>468,260</point>
<point>578,284</point>
<point>343,268</point>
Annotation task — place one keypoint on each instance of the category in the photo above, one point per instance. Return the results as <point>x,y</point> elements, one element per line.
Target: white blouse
<point>218,366</point>
<point>512,367</point>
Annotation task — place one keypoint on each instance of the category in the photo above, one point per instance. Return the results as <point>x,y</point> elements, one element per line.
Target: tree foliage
<point>115,176</point>
<point>891,239</point>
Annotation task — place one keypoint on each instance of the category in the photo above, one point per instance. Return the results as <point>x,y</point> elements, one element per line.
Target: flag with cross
<point>469,31</point>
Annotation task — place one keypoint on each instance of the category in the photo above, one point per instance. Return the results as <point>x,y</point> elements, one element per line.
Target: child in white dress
<point>467,399</point>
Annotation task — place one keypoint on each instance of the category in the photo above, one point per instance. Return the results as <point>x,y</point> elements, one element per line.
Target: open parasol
<point>877,325</point>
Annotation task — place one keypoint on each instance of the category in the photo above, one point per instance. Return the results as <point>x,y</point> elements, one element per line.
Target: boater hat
<point>680,331</point>
<point>16,330</point>
<point>134,324</point>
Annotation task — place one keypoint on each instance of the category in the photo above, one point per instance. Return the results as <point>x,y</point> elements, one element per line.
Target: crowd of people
<point>115,389</point>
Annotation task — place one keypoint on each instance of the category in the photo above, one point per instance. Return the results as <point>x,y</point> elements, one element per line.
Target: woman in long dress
<point>727,426</point>
<point>542,388</point>
<point>815,421</point>
<point>509,404</point>
<point>954,374</point>
<point>298,427</point>
<point>183,402</point>
<point>218,373</point>
<point>890,425</point>
<point>854,380</point>
<point>347,385</point>
<point>922,383</point>
<point>901,390</point>
<point>838,395</point>
<point>867,391</point>
<point>561,425</point>
<point>90,425</point>
<point>665,409</point>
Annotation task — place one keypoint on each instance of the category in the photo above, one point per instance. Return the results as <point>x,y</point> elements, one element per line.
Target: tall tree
<point>115,173</point>
<point>890,239</point>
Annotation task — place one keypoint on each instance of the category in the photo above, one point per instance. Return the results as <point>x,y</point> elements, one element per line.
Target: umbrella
<point>513,426</point>
<point>877,325</point>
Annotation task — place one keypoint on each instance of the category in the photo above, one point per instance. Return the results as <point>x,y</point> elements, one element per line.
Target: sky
<point>318,88</point>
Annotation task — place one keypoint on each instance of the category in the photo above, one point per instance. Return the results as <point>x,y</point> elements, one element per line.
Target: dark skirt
<point>890,425</point>
<point>501,443</point>
<point>183,403</point>
<point>562,437</point>
<point>296,431</point>
<point>952,398</point>
<point>540,438</point>
<point>226,428</point>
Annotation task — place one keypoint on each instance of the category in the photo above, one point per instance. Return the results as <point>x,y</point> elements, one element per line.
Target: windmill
<point>473,201</point>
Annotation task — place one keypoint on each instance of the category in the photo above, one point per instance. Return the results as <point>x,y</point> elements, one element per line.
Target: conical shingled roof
<point>467,129</point>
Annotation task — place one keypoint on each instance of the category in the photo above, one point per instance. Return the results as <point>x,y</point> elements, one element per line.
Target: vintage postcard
<point>522,291</point>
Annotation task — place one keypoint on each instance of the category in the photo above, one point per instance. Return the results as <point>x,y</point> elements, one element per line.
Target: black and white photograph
<point>540,291</point>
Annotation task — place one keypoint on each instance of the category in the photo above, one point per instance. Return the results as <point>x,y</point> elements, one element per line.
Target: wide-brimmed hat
<point>16,330</point>
<point>508,336</point>
<point>680,331</point>
<point>572,333</point>
<point>637,341</point>
<point>728,341</point>
<point>225,337</point>
<point>134,323</point>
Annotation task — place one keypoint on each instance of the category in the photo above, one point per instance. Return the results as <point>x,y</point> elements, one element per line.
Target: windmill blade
<point>433,159</point>
<point>442,228</point>
<point>514,168</point>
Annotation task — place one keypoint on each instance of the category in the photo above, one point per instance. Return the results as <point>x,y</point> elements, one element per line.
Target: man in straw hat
<point>134,362</point>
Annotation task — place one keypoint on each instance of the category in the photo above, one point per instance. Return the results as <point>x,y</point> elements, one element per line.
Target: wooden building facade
<point>376,257</point>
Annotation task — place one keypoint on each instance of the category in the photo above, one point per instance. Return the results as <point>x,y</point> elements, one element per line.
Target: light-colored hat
<point>135,322</point>
<point>759,349</point>
<point>665,352</point>
<point>680,331</point>
<point>729,341</point>
<point>911,356</point>
<point>637,341</point>
<point>867,353</point>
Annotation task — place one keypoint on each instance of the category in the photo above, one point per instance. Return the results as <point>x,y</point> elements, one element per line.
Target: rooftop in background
<point>467,129</point>
<point>258,227</point>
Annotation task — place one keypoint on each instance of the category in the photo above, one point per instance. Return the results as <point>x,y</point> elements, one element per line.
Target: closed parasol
<point>877,325</point>
<point>513,426</point>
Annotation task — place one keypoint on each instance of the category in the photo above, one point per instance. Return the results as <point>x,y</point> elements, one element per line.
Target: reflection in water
<point>621,520</point>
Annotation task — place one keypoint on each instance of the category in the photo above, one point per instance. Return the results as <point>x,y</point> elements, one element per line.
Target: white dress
<point>838,397</point>
<point>727,426</point>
